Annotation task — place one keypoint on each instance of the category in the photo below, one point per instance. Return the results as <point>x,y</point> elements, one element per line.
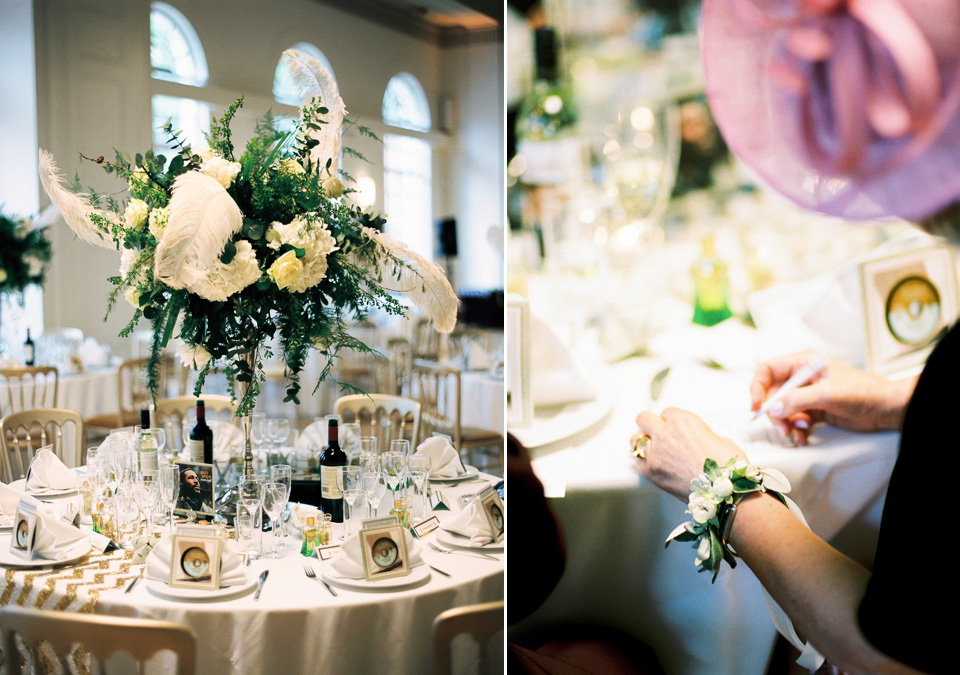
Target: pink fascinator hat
<point>848,107</point>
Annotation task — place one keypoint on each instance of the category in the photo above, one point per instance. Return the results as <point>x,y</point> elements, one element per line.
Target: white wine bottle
<point>145,445</point>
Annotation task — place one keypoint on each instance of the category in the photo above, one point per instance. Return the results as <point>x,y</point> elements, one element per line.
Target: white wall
<point>93,95</point>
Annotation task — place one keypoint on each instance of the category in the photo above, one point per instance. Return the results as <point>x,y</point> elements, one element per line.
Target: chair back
<point>393,376</point>
<point>426,340</point>
<point>386,417</point>
<point>23,433</point>
<point>28,388</point>
<point>482,621</point>
<point>437,388</point>
<point>134,394</point>
<point>171,413</point>
<point>99,635</point>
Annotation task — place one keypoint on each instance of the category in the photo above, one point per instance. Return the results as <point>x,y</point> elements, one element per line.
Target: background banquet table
<point>296,626</point>
<point>90,393</point>
<point>619,573</point>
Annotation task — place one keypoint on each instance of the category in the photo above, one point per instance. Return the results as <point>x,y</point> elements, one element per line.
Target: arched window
<point>407,165</point>
<point>175,50</point>
<point>405,105</point>
<point>283,89</point>
<point>177,56</point>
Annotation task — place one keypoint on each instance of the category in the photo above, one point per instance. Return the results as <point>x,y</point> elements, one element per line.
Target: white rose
<point>286,270</point>
<point>701,509</point>
<point>158,222</point>
<point>135,214</point>
<point>220,169</point>
<point>333,186</point>
<point>290,165</point>
<point>722,487</point>
<point>193,356</point>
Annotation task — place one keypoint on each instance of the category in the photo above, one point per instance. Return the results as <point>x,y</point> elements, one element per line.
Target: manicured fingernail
<point>775,409</point>
<point>801,424</point>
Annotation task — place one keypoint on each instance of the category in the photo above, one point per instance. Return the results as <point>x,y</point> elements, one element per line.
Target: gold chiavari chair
<point>48,634</point>
<point>482,622</point>
<point>386,417</point>
<point>133,395</point>
<point>23,433</point>
<point>27,388</point>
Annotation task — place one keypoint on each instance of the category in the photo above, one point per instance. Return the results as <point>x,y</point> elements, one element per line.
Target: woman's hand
<point>679,442</point>
<point>839,394</point>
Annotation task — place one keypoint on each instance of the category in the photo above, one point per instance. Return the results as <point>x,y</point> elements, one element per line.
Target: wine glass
<point>160,434</point>
<point>169,489</point>
<point>258,424</point>
<point>375,489</point>
<point>418,466</point>
<point>394,466</point>
<point>350,440</point>
<point>368,444</point>
<point>274,499</point>
<point>147,492</point>
<point>401,445</point>
<point>350,482</point>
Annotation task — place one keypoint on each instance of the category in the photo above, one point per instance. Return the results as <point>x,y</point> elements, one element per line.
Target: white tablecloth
<point>296,626</point>
<point>618,572</point>
<point>90,393</point>
<point>482,400</point>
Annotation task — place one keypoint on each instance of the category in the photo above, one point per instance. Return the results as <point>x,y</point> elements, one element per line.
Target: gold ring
<point>640,446</point>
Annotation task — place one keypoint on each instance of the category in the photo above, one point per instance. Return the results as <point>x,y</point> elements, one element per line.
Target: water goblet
<point>274,499</point>
<point>368,444</point>
<point>394,466</point>
<point>418,466</point>
<point>401,445</point>
<point>282,473</point>
<point>350,480</point>
<point>169,489</point>
<point>248,527</point>
<point>147,492</point>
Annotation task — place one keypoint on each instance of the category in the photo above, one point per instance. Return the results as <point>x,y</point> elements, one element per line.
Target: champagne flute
<point>394,465</point>
<point>281,473</point>
<point>274,499</point>
<point>375,488</point>
<point>351,485</point>
<point>147,491</point>
<point>169,489</point>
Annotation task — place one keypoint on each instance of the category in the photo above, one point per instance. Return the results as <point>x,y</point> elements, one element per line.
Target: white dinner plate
<point>8,559</point>
<point>471,472</point>
<point>554,423</point>
<point>417,575</point>
<point>21,485</point>
<point>459,541</point>
<point>163,590</point>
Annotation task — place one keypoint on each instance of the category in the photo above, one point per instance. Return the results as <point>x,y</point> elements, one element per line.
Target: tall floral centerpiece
<point>227,250</point>
<point>24,254</point>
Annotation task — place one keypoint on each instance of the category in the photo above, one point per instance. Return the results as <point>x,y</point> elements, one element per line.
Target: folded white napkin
<point>56,539</point>
<point>348,561</point>
<point>47,472</point>
<point>471,522</point>
<point>9,499</point>
<point>444,459</point>
<point>227,439</point>
<point>557,376</point>
<point>232,572</point>
<point>312,439</point>
<point>477,357</point>
<point>93,354</point>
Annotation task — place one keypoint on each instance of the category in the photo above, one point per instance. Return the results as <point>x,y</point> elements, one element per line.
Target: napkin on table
<point>476,357</point>
<point>9,499</point>
<point>231,564</point>
<point>56,539</point>
<point>348,561</point>
<point>557,377</point>
<point>472,522</point>
<point>47,472</point>
<point>444,459</point>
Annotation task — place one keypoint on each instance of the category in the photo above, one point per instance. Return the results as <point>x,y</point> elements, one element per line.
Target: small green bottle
<point>711,287</point>
<point>309,535</point>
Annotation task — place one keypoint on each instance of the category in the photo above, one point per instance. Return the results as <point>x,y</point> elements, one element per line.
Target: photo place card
<point>910,300</point>
<point>384,552</point>
<point>493,509</point>
<point>519,359</point>
<point>24,530</point>
<point>195,562</point>
<point>196,490</point>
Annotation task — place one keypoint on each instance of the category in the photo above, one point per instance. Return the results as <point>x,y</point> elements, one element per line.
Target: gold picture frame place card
<point>384,550</point>
<point>195,562</point>
<point>494,511</point>
<point>517,342</point>
<point>24,530</point>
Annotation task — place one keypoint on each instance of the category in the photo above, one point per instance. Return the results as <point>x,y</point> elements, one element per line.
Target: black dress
<point>909,608</point>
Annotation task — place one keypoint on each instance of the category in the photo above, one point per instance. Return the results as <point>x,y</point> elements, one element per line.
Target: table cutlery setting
<point>260,582</point>
<point>308,570</point>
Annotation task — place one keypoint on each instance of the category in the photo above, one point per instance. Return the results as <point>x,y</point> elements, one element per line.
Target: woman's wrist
<point>898,396</point>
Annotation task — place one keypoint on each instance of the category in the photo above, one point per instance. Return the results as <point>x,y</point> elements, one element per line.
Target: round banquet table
<point>618,572</point>
<point>90,393</point>
<point>296,626</point>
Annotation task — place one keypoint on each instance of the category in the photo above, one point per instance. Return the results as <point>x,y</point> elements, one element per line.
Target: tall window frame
<point>408,164</point>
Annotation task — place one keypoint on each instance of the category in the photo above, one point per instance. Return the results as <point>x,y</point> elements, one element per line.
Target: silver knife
<point>136,579</point>
<point>263,577</point>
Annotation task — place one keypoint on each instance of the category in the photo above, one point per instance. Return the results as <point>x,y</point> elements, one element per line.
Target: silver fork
<point>308,570</point>
<point>475,554</point>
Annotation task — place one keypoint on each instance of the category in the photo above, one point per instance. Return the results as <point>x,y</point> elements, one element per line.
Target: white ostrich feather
<point>203,217</point>
<point>423,282</point>
<point>75,208</point>
<point>313,80</point>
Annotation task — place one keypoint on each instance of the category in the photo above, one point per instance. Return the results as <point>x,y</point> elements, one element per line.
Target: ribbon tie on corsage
<point>861,80</point>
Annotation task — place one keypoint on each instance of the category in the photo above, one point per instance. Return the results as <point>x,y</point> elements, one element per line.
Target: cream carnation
<point>222,280</point>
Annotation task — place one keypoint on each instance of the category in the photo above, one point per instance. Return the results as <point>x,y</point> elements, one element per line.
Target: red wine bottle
<point>201,438</point>
<point>331,459</point>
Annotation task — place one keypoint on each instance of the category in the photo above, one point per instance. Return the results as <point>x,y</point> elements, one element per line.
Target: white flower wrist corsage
<point>713,504</point>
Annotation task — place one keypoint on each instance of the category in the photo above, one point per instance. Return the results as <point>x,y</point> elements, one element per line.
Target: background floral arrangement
<point>227,251</point>
<point>24,253</point>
